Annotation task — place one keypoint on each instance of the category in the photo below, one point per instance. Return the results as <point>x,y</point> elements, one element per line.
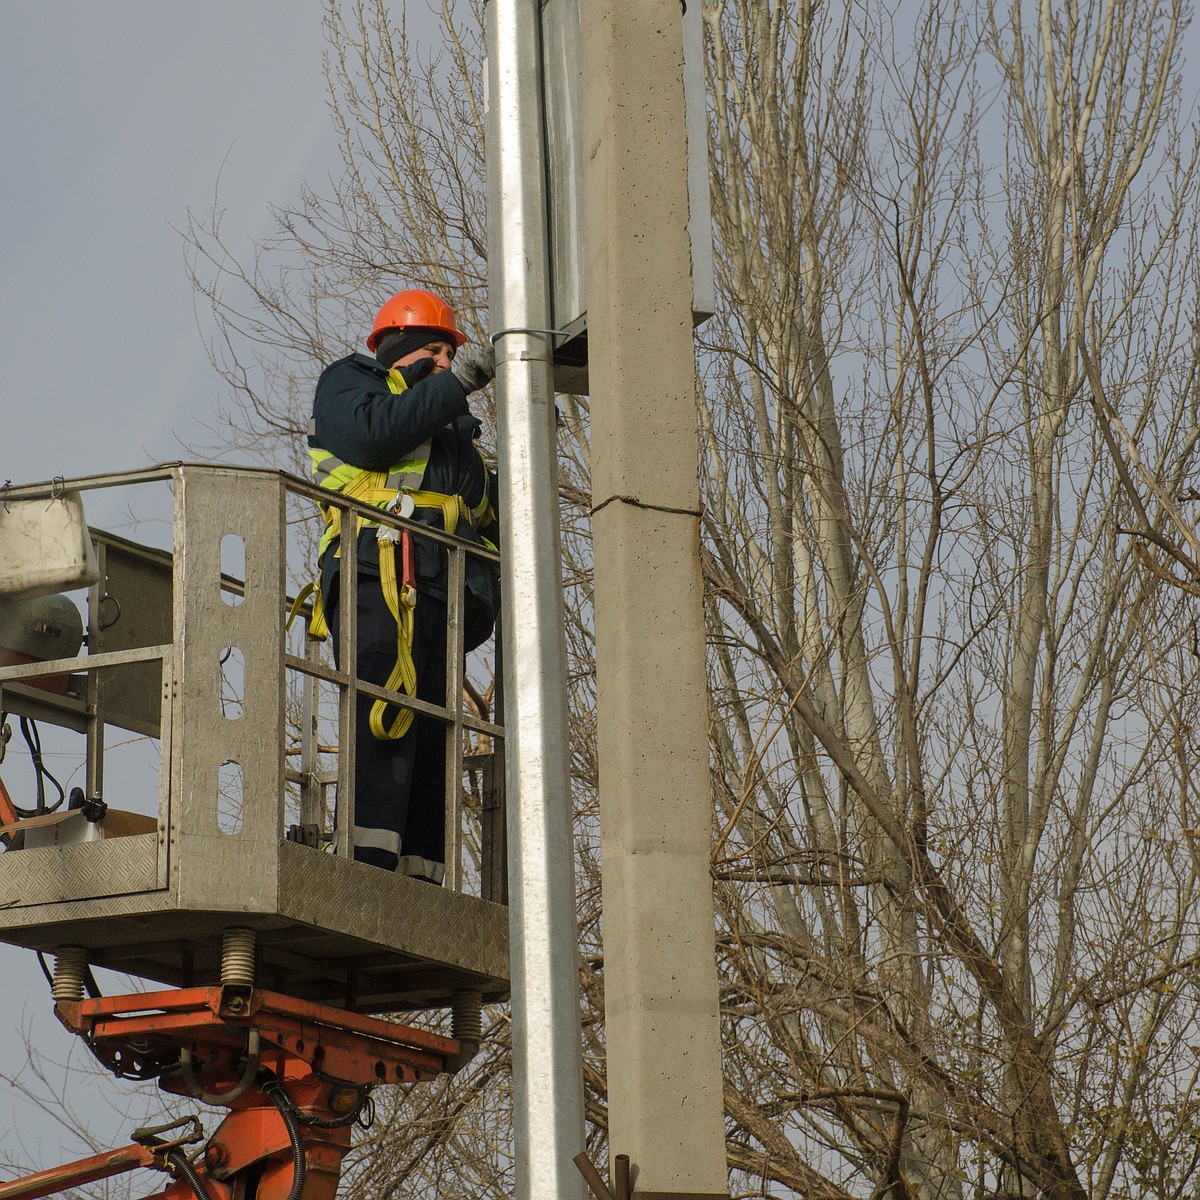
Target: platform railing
<point>158,621</point>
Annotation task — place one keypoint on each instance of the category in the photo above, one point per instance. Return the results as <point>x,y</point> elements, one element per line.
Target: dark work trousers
<point>399,783</point>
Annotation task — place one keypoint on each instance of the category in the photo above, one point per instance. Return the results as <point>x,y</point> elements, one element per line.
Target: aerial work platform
<point>248,824</point>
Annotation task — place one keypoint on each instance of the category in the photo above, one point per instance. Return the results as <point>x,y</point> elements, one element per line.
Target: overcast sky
<point>117,117</point>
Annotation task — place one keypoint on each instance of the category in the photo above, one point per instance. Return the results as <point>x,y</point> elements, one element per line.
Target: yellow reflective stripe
<point>324,467</point>
<point>370,836</point>
<point>334,475</point>
<point>401,475</point>
<point>411,472</point>
<point>381,488</point>
<point>365,486</point>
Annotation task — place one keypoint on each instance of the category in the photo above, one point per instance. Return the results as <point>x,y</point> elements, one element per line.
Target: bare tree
<point>950,431</point>
<point>407,205</point>
<point>949,690</point>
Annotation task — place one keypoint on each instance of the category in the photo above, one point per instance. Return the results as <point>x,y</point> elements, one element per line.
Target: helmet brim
<point>452,335</point>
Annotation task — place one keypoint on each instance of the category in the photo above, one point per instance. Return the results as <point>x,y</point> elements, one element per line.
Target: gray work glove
<point>475,366</point>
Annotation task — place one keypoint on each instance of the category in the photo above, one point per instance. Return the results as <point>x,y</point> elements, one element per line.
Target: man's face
<point>441,352</point>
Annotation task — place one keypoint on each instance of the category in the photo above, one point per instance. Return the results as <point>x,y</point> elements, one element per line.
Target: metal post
<point>547,1065</point>
<point>455,675</point>
<point>347,616</point>
<point>660,980</point>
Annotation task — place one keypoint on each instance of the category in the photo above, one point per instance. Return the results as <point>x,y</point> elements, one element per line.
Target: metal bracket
<point>681,1196</point>
<point>600,1190</point>
<point>306,834</point>
<point>495,337</point>
<point>595,1180</point>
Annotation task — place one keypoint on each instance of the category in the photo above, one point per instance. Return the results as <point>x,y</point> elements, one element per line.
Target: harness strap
<point>369,487</point>
<point>399,593</point>
<point>317,630</point>
<point>401,598</point>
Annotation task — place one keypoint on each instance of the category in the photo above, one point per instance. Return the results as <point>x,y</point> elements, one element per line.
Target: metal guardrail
<point>153,611</point>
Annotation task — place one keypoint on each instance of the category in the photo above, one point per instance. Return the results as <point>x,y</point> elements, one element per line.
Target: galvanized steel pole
<point>547,1063</point>
<point>660,979</point>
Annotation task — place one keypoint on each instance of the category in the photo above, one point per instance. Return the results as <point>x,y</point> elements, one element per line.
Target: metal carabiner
<point>403,505</point>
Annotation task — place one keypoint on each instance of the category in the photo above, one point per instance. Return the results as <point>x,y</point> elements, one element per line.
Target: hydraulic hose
<point>41,773</point>
<point>278,1097</point>
<point>248,1074</point>
<point>364,1101</point>
<point>183,1165</point>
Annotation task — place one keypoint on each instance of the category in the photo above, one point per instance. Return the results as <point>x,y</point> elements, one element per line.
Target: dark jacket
<point>360,420</point>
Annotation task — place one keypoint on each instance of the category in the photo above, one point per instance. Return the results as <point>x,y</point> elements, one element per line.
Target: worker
<point>389,430</point>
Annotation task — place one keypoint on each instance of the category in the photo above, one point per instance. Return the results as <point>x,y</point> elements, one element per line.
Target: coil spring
<point>466,1017</point>
<point>237,957</point>
<point>70,964</point>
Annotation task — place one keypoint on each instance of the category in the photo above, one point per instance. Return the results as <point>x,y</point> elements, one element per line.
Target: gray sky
<point>116,117</point>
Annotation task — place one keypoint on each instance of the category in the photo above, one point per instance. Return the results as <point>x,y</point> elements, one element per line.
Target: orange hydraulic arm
<point>84,1170</point>
<point>148,1150</point>
<point>295,1076</point>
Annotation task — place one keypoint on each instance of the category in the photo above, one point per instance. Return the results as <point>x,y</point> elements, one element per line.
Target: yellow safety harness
<point>396,490</point>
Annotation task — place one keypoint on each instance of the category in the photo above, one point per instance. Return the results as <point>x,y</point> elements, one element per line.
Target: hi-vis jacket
<point>423,437</point>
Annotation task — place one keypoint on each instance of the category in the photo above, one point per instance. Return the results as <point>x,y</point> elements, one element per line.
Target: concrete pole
<point>543,939</point>
<point>660,979</point>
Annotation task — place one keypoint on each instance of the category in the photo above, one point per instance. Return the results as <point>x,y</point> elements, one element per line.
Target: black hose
<point>364,1103</point>
<point>33,739</point>
<point>278,1097</point>
<point>364,1099</point>
<point>183,1165</point>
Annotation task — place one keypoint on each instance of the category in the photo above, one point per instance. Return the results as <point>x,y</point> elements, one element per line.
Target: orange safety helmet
<point>414,307</point>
